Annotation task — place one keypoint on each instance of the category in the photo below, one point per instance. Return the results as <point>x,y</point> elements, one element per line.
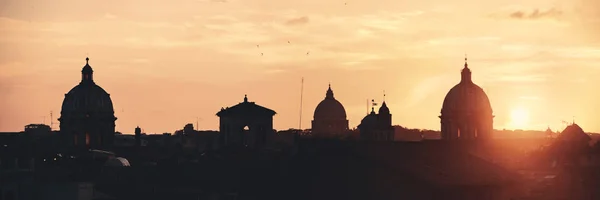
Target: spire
<point>383,109</point>
<point>245,98</point>
<point>329,94</point>
<point>466,73</point>
<point>383,96</point>
<point>87,72</point>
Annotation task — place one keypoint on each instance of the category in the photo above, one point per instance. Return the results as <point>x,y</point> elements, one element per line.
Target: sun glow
<point>519,118</point>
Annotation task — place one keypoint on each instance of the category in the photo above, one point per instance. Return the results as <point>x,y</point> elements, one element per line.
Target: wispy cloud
<point>532,14</point>
<point>297,21</point>
<point>537,14</point>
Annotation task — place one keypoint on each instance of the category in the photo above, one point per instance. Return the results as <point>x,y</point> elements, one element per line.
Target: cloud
<point>297,21</point>
<point>537,14</point>
<point>110,16</point>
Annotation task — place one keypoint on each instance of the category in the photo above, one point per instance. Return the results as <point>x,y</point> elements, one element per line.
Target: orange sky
<point>167,62</point>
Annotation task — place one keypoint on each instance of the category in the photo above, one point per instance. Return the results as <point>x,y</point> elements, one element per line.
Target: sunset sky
<point>166,63</point>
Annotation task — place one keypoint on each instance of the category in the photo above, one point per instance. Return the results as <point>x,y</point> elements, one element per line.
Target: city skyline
<point>168,67</point>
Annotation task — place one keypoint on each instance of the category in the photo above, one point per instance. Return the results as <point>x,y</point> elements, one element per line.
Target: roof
<point>117,162</point>
<point>437,164</point>
<point>574,133</point>
<point>246,108</point>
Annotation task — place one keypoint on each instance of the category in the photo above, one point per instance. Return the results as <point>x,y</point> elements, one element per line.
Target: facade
<point>246,124</point>
<point>466,111</point>
<point>329,117</point>
<point>87,117</point>
<point>377,127</point>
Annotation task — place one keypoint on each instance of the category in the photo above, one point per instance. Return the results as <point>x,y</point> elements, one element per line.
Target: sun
<point>519,118</point>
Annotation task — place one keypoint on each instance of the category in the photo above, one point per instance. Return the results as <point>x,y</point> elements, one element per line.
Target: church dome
<point>87,98</point>
<point>466,97</point>
<point>369,121</point>
<point>330,108</point>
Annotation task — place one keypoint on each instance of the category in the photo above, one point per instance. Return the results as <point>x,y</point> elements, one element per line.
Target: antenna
<point>301,96</point>
<point>51,121</point>
<point>44,122</point>
<point>197,128</point>
<point>383,95</point>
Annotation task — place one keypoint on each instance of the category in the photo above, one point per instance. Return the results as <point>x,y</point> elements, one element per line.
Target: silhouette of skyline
<point>187,59</point>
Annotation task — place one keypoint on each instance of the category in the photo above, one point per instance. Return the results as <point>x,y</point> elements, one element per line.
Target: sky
<point>169,63</point>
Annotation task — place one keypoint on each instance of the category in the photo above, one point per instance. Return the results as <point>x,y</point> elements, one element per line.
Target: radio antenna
<point>301,98</point>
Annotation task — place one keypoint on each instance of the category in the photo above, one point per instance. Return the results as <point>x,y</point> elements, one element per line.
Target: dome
<point>466,97</point>
<point>369,120</point>
<point>87,98</point>
<point>330,108</point>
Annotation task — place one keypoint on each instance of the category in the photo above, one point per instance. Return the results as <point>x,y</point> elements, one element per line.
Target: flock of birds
<point>262,54</point>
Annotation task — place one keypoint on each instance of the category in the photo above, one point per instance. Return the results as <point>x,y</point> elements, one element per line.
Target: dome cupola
<point>87,73</point>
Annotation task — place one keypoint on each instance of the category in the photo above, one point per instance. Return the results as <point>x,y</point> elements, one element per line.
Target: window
<point>87,139</point>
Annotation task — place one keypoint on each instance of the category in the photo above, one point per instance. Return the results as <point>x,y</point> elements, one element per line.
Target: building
<point>466,111</point>
<point>87,117</point>
<point>377,127</point>
<point>246,124</point>
<point>329,117</point>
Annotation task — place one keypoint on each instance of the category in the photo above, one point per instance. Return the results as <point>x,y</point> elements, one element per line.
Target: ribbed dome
<point>87,98</point>
<point>330,108</point>
<point>466,97</point>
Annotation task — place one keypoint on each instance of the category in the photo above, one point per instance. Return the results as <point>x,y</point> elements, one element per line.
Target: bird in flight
<point>261,54</point>
<point>257,46</point>
<point>288,42</point>
<point>307,53</point>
